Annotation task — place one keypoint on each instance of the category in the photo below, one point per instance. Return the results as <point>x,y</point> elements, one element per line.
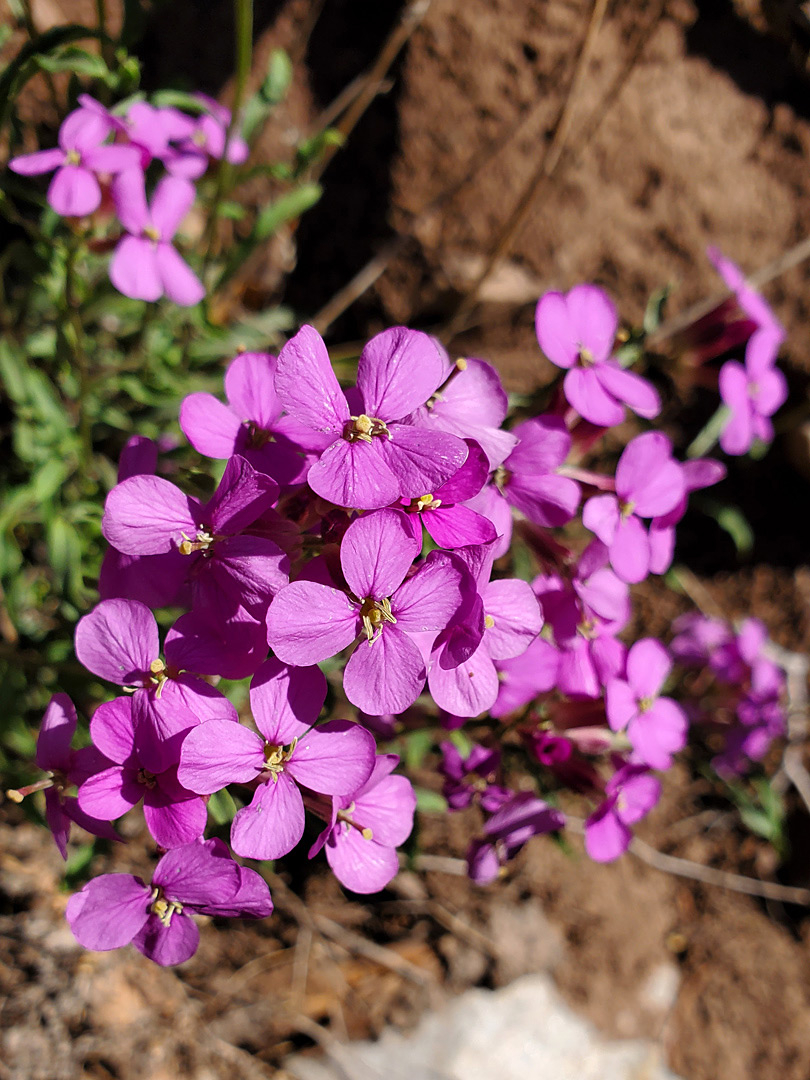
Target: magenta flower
<point>576,331</point>
<point>367,827</point>
<point>656,726</point>
<point>229,572</point>
<point>122,732</point>
<point>144,265</point>
<point>753,394</point>
<point>462,675</point>
<point>150,129</point>
<point>649,484</point>
<point>630,794</point>
<point>334,759</point>
<point>251,424</point>
<point>585,611</point>
<point>115,909</point>
<point>206,141</point>
<point>155,580</point>
<point>448,522</point>
<point>516,822</point>
<point>373,458</point>
<point>471,403</point>
<point>697,474</point>
<point>525,677</point>
<point>472,779</point>
<point>752,304</point>
<point>79,160</point>
<point>528,477</point>
<point>118,641</point>
<point>309,622</point>
<point>64,767</point>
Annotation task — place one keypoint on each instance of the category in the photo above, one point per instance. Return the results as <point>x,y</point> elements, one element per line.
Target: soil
<point>705,140</point>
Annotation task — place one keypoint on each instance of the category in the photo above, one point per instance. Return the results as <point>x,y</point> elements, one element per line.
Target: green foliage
<point>762,811</point>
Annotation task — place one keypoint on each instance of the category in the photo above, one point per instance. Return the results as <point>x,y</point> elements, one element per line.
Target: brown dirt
<point>707,141</point>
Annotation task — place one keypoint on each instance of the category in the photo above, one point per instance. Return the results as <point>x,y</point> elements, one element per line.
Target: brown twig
<point>707,875</point>
<point>358,945</point>
<point>548,164</point>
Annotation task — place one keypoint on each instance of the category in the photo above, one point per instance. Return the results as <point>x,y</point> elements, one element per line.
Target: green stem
<point>243,18</point>
<point>710,433</point>
<point>79,354</point>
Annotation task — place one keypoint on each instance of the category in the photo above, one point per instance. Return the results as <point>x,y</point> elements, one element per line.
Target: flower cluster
<point>742,688</point>
<point>100,166</point>
<point>368,530</point>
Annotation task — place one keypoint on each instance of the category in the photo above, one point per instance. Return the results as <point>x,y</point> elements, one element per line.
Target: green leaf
<point>709,434</point>
<point>79,61</point>
<point>279,76</point>
<point>418,745</point>
<point>654,315</point>
<point>287,208</point>
<point>221,807</point>
<point>178,99</point>
<point>732,521</point>
<point>430,802</point>
<point>48,479</point>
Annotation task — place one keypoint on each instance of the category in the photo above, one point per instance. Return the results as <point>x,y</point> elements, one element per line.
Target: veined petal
<point>110,793</point>
<point>335,759</point>
<point>286,701</point>
<point>420,459</point>
<point>118,640</point>
<point>548,501</point>
<point>147,515</point>
<point>457,526</point>
<point>109,911</point>
<point>168,945</point>
<point>385,675</point>
<point>273,823</point>
<point>307,386</point>
<point>56,734</point>
<point>376,553</point>
<point>515,612</point>
<point>630,550</point>
<point>606,836</point>
<point>308,622</point>
<point>112,730</point>
<point>621,704</point>
<point>173,823</point>
<point>251,390</point>
<point>210,427</point>
<point>360,864</point>
<point>200,875</point>
<point>242,496</point>
<point>594,319</point>
<point>468,689</point>
<point>354,474</point>
<point>397,371</point>
<point>544,445</point>
<point>433,596</point>
<point>218,753</point>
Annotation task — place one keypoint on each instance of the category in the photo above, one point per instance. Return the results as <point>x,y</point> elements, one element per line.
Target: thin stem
<point>243,20</point>
<point>76,338</point>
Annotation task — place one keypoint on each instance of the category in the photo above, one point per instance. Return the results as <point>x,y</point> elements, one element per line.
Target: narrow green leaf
<point>430,802</point>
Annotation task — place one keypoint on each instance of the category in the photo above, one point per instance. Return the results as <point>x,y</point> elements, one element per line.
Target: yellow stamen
<point>375,614</point>
<point>364,428</point>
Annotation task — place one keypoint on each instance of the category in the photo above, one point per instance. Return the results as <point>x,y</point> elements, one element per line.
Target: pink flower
<point>753,394</point>
<point>649,484</point>
<point>79,160</point>
<point>576,331</point>
<point>334,759</point>
<point>371,457</point>
<point>308,622</point>
<point>367,827</point>
<point>630,794</point>
<point>656,726</point>
<point>144,266</point>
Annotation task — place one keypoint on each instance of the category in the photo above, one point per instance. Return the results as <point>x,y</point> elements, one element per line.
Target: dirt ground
<point>690,127</point>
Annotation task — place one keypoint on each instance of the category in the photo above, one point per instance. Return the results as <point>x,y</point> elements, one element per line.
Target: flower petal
<point>179,282</point>
<point>273,823</point>
<point>397,371</point>
<point>286,701</point>
<point>118,640</point>
<point>218,753</point>
<point>74,191</point>
<point>134,270</point>
<point>376,553</point>
<point>56,734</point>
<point>334,759</point>
<point>308,622</point>
<point>147,515</point>
<point>307,386</point>
<point>386,675</point>
<point>109,911</point>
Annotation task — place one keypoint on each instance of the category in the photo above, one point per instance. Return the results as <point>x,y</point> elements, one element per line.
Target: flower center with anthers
<point>257,437</point>
<point>586,356</point>
<point>626,508</point>
<point>146,778</point>
<point>159,675</point>
<point>73,157</point>
<point>151,233</point>
<point>646,704</point>
<point>203,541</point>
<point>364,428</point>
<point>163,908</point>
<point>375,614</point>
<point>199,138</point>
<point>275,757</point>
<point>501,477</point>
<point>424,502</point>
